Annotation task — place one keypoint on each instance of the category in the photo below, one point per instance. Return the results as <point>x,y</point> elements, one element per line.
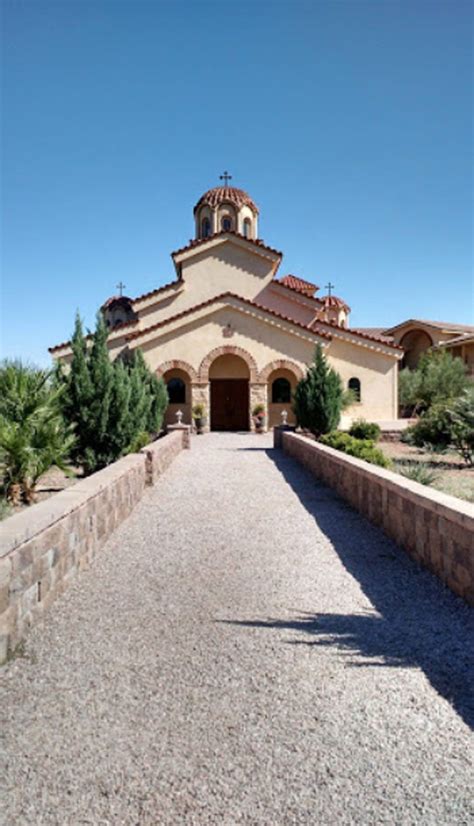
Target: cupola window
<point>226,223</point>
<point>206,228</point>
<point>247,228</point>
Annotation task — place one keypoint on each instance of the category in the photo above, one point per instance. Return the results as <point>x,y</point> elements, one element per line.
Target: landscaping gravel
<point>245,649</point>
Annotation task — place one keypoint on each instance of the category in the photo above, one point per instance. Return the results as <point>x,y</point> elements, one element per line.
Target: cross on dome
<point>225,177</point>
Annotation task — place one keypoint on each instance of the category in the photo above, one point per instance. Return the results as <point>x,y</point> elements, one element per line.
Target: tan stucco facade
<point>227,317</point>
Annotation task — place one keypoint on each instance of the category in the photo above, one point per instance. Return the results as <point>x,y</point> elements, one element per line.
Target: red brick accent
<point>281,364</point>
<point>224,351</point>
<point>176,364</point>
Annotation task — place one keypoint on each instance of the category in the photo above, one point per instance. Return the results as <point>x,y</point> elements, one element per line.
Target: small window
<point>247,228</point>
<point>354,385</point>
<point>176,391</point>
<point>206,228</point>
<point>281,391</point>
<point>226,223</point>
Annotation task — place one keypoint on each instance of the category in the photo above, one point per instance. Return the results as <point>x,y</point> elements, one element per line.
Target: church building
<point>229,331</point>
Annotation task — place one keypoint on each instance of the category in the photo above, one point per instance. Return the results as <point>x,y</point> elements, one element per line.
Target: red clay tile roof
<point>298,284</point>
<point>449,326</point>
<point>220,297</point>
<point>226,195</point>
<point>120,326</point>
<point>116,299</point>
<point>354,332</point>
<point>196,242</point>
<point>335,301</point>
<point>158,290</point>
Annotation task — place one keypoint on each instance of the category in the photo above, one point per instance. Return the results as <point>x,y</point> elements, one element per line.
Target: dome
<point>226,195</point>
<point>334,301</point>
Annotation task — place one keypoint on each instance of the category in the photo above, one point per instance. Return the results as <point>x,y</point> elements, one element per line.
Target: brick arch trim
<point>228,350</point>
<point>281,364</point>
<point>177,364</point>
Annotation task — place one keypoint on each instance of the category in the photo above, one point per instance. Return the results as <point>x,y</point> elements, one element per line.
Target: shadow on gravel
<point>420,623</point>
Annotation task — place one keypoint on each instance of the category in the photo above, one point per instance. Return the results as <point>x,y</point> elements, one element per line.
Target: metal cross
<point>329,287</point>
<point>225,177</point>
<point>121,286</point>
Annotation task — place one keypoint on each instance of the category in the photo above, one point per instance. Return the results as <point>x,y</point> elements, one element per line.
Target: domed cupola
<point>226,209</point>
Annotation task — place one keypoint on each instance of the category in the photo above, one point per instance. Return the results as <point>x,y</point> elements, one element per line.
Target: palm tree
<point>33,435</point>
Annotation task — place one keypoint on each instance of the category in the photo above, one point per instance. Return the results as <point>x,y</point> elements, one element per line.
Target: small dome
<point>226,195</point>
<point>334,301</point>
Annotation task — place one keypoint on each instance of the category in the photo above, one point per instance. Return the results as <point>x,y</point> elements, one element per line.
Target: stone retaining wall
<point>43,547</point>
<point>437,530</point>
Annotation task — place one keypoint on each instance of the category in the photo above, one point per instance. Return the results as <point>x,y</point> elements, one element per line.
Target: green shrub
<point>140,440</point>
<point>33,435</point>
<point>461,418</point>
<point>361,429</point>
<point>417,472</point>
<point>432,429</point>
<point>359,448</point>
<point>319,397</point>
<point>438,378</point>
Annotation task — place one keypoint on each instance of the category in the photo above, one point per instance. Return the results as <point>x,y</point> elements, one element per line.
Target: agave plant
<point>33,435</point>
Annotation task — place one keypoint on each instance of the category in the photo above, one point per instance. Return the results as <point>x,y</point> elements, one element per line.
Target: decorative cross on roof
<point>120,287</point>
<point>225,177</point>
<point>329,287</point>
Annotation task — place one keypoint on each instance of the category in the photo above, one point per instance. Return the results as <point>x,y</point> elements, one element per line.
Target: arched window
<point>226,223</point>
<point>281,391</point>
<point>206,228</point>
<point>176,391</point>
<point>354,385</point>
<point>246,227</point>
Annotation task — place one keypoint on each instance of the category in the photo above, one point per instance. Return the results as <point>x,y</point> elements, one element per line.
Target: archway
<point>229,376</point>
<point>178,383</point>
<point>281,383</point>
<point>415,342</point>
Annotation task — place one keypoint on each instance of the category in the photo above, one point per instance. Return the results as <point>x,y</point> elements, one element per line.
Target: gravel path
<point>244,650</point>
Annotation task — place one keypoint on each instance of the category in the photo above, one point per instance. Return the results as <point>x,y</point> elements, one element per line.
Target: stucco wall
<point>44,547</point>
<point>434,528</point>
<point>378,376</point>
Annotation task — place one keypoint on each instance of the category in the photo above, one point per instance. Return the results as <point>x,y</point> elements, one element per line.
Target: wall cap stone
<point>23,526</point>
<point>450,507</point>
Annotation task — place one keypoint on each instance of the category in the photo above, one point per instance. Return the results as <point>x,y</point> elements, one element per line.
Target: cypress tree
<point>77,398</point>
<point>318,397</point>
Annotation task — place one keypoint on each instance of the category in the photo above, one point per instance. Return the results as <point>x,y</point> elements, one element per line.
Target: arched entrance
<point>415,343</point>
<point>229,378</point>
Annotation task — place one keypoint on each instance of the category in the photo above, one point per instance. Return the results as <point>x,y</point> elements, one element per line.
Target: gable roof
<point>298,284</point>
<point>219,298</point>
<point>353,332</point>
<point>198,242</point>
<point>448,326</point>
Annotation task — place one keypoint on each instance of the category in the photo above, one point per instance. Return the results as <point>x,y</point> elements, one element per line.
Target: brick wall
<point>43,547</point>
<point>437,530</point>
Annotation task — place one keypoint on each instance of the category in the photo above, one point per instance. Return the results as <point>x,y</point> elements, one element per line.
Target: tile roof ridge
<point>355,332</point>
<point>196,242</point>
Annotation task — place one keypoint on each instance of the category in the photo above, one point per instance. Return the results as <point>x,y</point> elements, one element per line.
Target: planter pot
<point>198,424</point>
<point>259,425</point>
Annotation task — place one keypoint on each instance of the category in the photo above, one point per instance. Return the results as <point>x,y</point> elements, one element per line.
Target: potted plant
<point>198,417</point>
<point>258,415</point>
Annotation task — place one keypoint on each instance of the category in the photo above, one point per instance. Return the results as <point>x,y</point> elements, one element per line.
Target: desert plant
<point>418,472</point>
<point>433,429</point>
<point>361,429</point>
<point>33,435</point>
<point>438,378</point>
<point>461,418</point>
<point>318,398</point>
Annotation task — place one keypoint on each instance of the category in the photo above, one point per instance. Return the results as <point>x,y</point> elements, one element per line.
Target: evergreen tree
<point>318,399</point>
<point>78,395</point>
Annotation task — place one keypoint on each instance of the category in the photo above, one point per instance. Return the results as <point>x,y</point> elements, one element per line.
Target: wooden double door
<point>229,404</point>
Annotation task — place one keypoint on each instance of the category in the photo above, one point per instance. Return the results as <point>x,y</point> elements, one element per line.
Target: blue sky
<point>348,123</point>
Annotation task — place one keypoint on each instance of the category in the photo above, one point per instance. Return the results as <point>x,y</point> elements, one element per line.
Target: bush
<point>33,435</point>
<point>438,378</point>
<point>318,398</point>
<point>359,448</point>
<point>461,418</point>
<point>418,472</point>
<point>361,429</point>
<point>433,429</point>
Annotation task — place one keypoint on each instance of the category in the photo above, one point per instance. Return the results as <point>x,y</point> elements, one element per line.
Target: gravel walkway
<point>244,650</point>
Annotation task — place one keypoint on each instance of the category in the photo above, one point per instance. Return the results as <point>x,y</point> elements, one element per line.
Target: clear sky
<point>349,123</point>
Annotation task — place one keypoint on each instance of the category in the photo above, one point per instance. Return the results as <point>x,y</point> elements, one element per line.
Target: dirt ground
<point>453,475</point>
<point>53,481</point>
